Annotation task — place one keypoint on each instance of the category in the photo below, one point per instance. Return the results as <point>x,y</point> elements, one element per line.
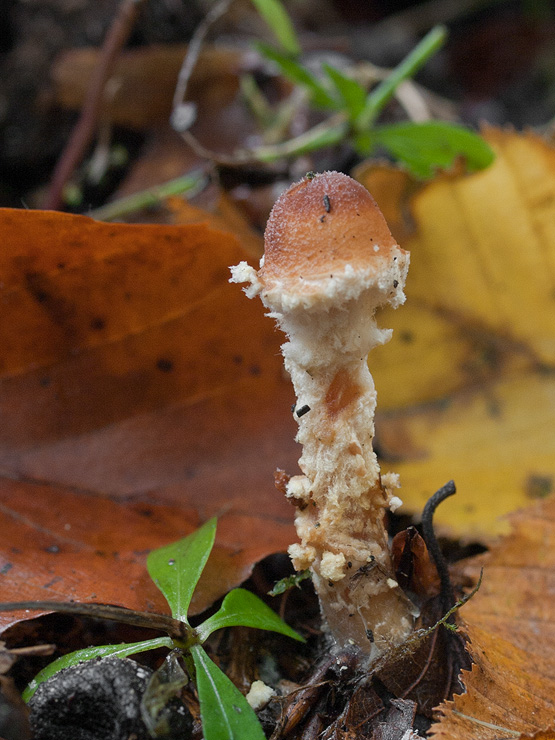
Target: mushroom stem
<point>329,262</point>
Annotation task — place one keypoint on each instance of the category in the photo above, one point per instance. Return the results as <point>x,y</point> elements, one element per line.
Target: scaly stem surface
<point>330,261</point>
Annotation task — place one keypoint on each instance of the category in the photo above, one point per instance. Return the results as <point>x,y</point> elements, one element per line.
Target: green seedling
<point>420,147</point>
<point>176,570</point>
<point>289,582</point>
<point>353,105</point>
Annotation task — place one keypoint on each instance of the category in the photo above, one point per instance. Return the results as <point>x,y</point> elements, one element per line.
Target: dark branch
<point>173,627</point>
<point>83,132</point>
<point>447,591</point>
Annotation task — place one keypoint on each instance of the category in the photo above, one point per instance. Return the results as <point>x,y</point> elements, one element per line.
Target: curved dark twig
<point>447,592</point>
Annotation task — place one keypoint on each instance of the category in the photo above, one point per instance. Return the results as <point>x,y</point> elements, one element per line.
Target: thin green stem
<point>329,132</point>
<point>258,105</point>
<point>190,184</point>
<point>378,98</point>
<point>185,648</point>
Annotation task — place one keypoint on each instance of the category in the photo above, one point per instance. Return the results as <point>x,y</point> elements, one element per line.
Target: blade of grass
<point>190,184</point>
<point>277,18</point>
<point>328,133</point>
<point>350,91</point>
<point>300,75</point>
<point>381,95</point>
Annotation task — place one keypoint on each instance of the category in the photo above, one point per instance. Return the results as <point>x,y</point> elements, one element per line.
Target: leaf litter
<point>513,658</point>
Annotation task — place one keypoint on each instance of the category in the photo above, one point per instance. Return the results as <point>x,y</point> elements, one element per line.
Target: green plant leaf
<point>242,608</point>
<point>101,651</point>
<point>300,75</point>
<point>277,18</point>
<point>352,94</point>
<point>225,713</point>
<point>176,568</point>
<point>425,147</point>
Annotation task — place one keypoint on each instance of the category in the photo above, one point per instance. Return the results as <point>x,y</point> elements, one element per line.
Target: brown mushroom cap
<point>319,226</point>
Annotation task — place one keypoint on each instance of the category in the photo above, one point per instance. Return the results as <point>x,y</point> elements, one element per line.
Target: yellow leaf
<point>467,386</point>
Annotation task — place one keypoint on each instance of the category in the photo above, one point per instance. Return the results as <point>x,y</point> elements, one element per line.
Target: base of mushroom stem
<point>371,615</point>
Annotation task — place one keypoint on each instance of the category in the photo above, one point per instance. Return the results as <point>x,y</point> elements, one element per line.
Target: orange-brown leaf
<point>132,372</point>
<point>511,625</point>
<point>60,544</point>
<point>143,82</point>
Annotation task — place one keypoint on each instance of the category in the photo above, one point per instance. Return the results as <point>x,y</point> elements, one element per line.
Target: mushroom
<point>330,261</point>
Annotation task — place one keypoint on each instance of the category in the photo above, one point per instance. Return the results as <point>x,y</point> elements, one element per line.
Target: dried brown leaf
<point>510,621</point>
<point>138,388</point>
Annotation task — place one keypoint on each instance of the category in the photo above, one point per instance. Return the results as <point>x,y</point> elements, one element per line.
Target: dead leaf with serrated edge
<point>510,691</point>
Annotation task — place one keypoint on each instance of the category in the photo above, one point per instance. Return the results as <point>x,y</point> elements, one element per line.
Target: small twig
<point>416,638</point>
<point>83,131</point>
<point>328,133</point>
<point>447,591</point>
<point>34,650</point>
<point>445,619</point>
<point>425,669</point>
<point>173,627</point>
<point>191,58</point>
<point>334,730</point>
<point>298,702</point>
